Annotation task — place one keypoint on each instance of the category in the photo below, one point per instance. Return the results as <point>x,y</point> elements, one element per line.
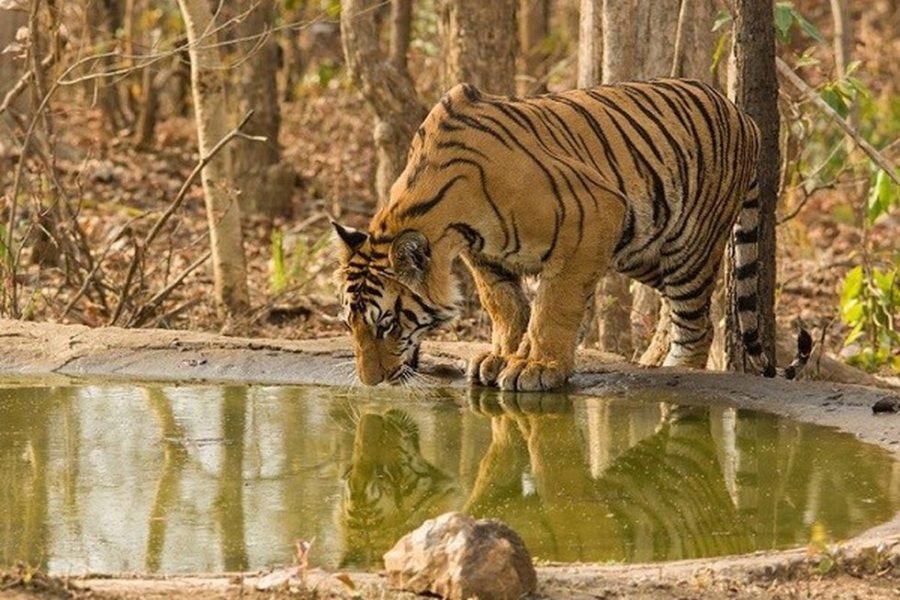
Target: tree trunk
<point>843,54</point>
<point>103,21</point>
<point>145,127</point>
<point>590,43</point>
<point>401,24</point>
<point>619,53</point>
<point>755,89</point>
<point>481,41</point>
<point>266,183</point>
<point>534,26</point>
<point>222,209</point>
<point>388,91</point>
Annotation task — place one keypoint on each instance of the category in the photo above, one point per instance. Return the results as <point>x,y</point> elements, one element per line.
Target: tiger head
<point>388,301</point>
<point>389,486</point>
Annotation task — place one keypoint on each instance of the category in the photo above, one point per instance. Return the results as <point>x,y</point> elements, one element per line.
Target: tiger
<point>646,178</point>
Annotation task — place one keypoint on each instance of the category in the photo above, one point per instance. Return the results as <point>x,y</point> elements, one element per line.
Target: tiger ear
<point>352,238</point>
<point>410,254</point>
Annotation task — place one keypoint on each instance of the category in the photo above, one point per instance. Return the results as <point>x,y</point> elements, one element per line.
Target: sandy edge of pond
<point>866,566</point>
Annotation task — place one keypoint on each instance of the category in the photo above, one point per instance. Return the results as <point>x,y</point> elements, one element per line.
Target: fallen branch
<point>810,93</point>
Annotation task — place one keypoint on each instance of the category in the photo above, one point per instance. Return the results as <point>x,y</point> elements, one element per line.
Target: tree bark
<point>401,24</point>
<point>590,43</point>
<point>755,89</point>
<point>481,41</point>
<point>534,24</point>
<point>388,91</point>
<point>619,55</point>
<point>266,184</point>
<point>222,209</point>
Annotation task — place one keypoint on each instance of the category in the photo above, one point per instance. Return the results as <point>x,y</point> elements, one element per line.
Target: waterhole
<point>112,478</point>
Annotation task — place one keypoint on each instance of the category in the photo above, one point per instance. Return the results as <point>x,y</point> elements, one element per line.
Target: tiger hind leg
<point>690,330</point>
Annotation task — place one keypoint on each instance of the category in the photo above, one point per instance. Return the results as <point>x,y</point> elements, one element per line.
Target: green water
<point>110,478</point>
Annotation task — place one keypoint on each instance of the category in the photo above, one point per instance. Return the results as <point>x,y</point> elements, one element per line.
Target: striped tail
<point>746,275</point>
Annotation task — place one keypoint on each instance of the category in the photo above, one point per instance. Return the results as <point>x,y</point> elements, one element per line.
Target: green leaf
<point>722,19</point>
<point>854,334</point>
<point>721,49</point>
<point>853,285</point>
<point>806,26</point>
<point>835,100</point>
<point>882,196</point>
<point>807,59</point>
<point>784,18</point>
<point>278,277</point>
<point>852,312</point>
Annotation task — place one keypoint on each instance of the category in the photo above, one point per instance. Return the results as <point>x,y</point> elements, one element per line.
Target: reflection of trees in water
<point>175,457</point>
<point>229,503</point>
<point>784,478</point>
<point>24,439</point>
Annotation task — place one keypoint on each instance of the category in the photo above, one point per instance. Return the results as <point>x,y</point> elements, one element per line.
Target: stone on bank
<point>458,557</point>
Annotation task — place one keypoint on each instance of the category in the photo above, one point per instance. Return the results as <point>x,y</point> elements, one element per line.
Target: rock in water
<point>457,557</point>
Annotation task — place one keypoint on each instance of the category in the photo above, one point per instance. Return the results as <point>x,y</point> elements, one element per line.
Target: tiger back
<point>648,179</point>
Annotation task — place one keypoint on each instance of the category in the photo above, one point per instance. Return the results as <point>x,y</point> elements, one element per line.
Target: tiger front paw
<point>526,375</point>
<point>485,368</point>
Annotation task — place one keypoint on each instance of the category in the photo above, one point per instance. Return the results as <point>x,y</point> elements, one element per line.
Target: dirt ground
<point>865,567</point>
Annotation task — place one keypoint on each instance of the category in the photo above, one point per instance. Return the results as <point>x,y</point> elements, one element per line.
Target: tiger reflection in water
<point>389,488</point>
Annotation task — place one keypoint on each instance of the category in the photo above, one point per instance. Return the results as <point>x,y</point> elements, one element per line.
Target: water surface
<point>109,478</point>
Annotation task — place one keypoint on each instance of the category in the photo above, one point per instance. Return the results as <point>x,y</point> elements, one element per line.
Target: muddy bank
<point>46,352</point>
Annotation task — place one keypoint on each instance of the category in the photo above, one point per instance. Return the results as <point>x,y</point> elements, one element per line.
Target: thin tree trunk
<point>619,33</point>
<point>266,183</point>
<point>401,24</point>
<point>590,44</point>
<point>534,26</point>
<point>222,209</point>
<point>145,126</point>
<point>755,89</point>
<point>843,51</point>
<point>12,67</point>
<point>481,41</point>
<point>388,91</point>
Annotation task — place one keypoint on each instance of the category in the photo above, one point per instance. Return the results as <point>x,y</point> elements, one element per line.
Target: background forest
<point>307,110</point>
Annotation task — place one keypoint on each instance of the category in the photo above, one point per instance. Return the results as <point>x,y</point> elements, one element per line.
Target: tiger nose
<point>370,375</point>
